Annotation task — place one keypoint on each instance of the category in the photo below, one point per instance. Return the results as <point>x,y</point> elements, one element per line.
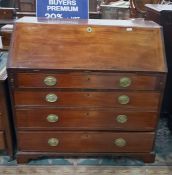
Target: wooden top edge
<point>100,22</point>
<point>36,69</point>
<point>159,7</point>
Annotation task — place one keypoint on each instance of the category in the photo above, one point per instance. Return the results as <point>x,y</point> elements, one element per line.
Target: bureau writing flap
<point>87,45</point>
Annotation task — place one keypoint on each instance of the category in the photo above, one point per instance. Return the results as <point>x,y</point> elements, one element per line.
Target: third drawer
<point>79,119</point>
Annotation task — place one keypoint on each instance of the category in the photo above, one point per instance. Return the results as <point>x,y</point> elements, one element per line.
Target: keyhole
<point>87,114</point>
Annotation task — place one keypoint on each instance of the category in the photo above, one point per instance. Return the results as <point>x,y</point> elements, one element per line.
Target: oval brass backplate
<point>89,29</point>
<point>52,118</point>
<point>50,81</point>
<point>51,98</point>
<point>53,142</point>
<point>120,142</point>
<point>121,118</point>
<point>123,99</point>
<point>125,82</point>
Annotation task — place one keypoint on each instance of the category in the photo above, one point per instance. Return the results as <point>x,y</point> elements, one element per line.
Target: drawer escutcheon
<point>50,81</point>
<point>52,118</point>
<point>125,82</point>
<point>120,142</point>
<point>51,98</point>
<point>123,99</point>
<point>121,119</point>
<point>53,142</point>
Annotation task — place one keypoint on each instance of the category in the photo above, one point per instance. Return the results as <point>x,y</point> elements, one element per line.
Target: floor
<point>85,170</point>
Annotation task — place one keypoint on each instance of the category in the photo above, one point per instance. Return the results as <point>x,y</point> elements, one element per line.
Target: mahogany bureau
<point>86,87</point>
<point>6,142</point>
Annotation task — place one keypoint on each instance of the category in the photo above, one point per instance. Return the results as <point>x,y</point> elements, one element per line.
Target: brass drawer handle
<point>123,99</point>
<point>51,98</point>
<point>52,118</point>
<point>53,142</point>
<point>50,81</point>
<point>89,29</point>
<point>121,119</point>
<point>125,82</point>
<point>120,142</point>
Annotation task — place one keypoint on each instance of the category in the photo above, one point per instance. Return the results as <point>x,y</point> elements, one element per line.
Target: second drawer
<point>149,100</point>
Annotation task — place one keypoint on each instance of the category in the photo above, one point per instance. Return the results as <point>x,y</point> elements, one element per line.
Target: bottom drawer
<point>86,142</point>
<point>2,142</point>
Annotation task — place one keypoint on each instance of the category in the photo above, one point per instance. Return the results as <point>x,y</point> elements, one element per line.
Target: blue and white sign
<point>72,9</point>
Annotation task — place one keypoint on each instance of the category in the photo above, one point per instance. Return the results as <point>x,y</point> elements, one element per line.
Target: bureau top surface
<point>132,45</point>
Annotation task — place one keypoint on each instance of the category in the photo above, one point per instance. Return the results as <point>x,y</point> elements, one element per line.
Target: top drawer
<point>89,81</point>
